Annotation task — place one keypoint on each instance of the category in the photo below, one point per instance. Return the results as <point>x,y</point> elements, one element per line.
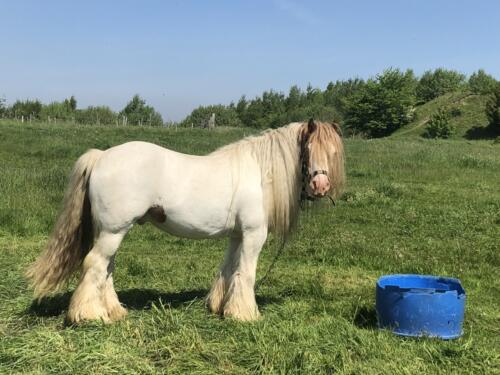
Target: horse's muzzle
<point>320,185</point>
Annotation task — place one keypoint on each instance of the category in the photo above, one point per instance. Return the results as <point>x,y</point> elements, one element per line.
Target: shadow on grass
<point>50,306</point>
<point>481,132</point>
<point>366,317</point>
<point>143,299</point>
<point>133,299</point>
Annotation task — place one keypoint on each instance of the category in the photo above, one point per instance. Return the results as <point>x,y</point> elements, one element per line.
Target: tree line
<point>136,112</point>
<point>374,107</point>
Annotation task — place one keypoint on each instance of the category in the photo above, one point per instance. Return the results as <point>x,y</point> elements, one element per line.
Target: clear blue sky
<point>180,54</point>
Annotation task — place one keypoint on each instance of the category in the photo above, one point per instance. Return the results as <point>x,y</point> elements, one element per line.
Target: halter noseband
<point>320,171</point>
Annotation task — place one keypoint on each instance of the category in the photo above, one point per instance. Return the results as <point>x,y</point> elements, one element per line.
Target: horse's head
<point>322,159</point>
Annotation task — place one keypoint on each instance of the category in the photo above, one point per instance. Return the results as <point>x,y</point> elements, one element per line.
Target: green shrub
<point>224,116</point>
<point>100,115</point>
<point>56,110</point>
<point>137,112</point>
<point>2,106</point>
<point>27,109</point>
<point>455,112</point>
<point>482,83</point>
<point>439,125</point>
<point>382,105</point>
<point>493,109</point>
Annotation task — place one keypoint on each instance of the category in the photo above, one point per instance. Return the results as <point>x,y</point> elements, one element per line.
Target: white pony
<point>241,191</point>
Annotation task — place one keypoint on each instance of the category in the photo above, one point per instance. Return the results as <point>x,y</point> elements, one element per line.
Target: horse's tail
<point>72,237</point>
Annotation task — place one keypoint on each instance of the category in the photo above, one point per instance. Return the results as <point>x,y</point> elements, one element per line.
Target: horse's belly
<point>196,225</point>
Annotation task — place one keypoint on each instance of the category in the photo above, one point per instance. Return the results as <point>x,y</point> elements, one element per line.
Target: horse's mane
<point>277,151</point>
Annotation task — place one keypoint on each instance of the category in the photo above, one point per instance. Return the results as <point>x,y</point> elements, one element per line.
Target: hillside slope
<point>468,111</point>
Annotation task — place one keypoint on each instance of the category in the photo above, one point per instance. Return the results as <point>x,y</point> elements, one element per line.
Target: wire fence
<point>117,122</point>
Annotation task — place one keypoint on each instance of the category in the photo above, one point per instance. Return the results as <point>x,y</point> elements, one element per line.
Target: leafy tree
<point>27,109</point>
<point>138,113</point>
<point>295,99</point>
<point>313,105</point>
<point>274,109</point>
<point>100,115</point>
<point>482,83</point>
<point>493,109</point>
<point>382,105</point>
<point>254,113</point>
<point>70,104</point>
<point>224,116</point>
<point>2,106</point>
<point>241,108</point>
<point>439,125</point>
<point>56,110</point>
<point>314,97</point>
<point>271,109</point>
<point>337,94</point>
<point>266,111</point>
<point>438,82</point>
<point>64,110</point>
<point>295,103</point>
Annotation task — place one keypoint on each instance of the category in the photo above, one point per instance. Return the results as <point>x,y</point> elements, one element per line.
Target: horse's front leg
<point>239,300</point>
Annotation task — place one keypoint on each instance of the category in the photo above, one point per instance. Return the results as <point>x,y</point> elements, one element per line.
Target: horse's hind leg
<point>239,300</point>
<point>220,285</point>
<point>94,297</point>
<point>113,306</point>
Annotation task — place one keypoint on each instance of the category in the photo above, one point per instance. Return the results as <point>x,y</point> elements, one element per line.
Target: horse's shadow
<point>49,306</point>
<point>132,299</point>
<point>366,318</point>
<point>143,299</point>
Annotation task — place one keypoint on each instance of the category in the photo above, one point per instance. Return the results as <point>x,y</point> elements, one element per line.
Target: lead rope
<point>303,197</point>
<point>304,165</point>
<point>264,278</point>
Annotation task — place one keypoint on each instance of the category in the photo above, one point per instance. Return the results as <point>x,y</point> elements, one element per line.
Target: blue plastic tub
<point>417,305</point>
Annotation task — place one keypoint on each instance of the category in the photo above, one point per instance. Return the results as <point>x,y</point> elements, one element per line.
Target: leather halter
<point>306,176</point>
<point>320,171</point>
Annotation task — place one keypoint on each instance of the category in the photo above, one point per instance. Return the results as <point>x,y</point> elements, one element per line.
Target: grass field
<point>411,206</point>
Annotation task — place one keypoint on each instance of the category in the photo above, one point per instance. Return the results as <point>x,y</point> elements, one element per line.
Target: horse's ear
<point>337,128</point>
<point>311,126</point>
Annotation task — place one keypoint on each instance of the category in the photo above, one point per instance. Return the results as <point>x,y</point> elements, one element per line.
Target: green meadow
<point>411,206</point>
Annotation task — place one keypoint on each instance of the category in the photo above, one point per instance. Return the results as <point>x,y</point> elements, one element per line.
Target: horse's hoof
<point>117,313</point>
<point>87,313</point>
<point>242,315</point>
